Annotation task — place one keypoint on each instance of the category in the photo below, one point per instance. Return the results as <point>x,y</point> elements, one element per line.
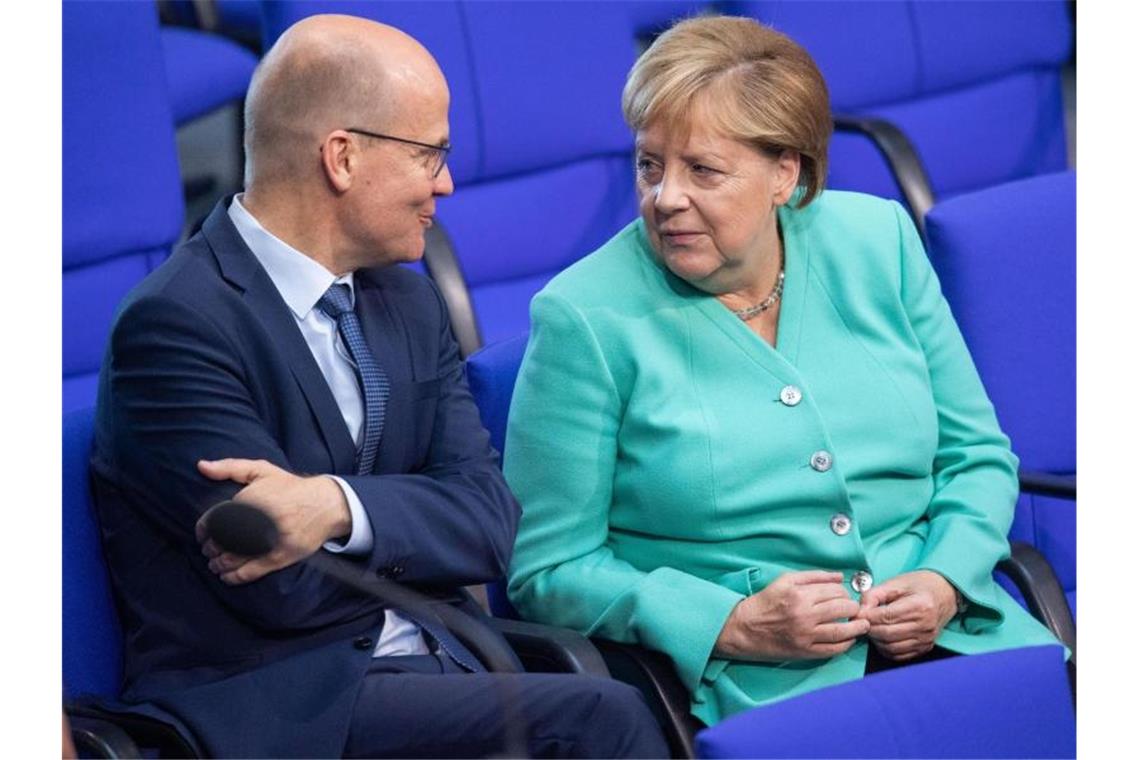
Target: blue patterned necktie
<point>337,303</point>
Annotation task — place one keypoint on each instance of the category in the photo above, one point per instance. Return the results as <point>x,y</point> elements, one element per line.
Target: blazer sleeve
<point>453,522</point>
<point>560,456</point>
<point>178,393</point>
<point>975,472</point>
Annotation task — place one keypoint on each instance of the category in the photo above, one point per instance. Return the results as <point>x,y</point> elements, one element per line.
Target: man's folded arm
<point>178,395</point>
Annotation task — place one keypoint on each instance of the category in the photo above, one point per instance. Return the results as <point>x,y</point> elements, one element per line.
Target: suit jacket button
<point>362,642</point>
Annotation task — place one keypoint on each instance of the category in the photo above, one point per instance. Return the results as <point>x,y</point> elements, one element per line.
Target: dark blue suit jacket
<point>206,361</point>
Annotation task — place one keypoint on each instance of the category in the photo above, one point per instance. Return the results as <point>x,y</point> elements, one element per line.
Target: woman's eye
<point>646,167</point>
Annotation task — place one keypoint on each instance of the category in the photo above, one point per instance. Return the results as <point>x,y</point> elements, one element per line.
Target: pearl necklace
<point>749,312</point>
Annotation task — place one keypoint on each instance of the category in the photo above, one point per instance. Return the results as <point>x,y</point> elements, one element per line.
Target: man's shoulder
<point>188,276</point>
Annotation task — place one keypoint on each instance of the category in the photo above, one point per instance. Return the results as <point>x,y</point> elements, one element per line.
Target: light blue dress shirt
<point>301,281</point>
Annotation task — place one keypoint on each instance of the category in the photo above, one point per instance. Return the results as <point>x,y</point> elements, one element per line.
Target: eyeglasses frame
<point>442,150</point>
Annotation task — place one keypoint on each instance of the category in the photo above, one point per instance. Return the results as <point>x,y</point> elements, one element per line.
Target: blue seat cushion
<point>1010,704</point>
<point>92,638</point>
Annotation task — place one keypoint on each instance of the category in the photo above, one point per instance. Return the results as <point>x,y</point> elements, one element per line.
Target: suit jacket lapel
<point>384,337</point>
<point>240,268</point>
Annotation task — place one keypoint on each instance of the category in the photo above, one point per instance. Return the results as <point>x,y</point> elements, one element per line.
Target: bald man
<point>279,358</point>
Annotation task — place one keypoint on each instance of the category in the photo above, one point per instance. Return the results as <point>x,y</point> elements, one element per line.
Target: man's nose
<point>444,185</point>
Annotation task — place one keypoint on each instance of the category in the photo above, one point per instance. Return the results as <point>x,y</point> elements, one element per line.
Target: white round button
<point>861,581</point>
<point>790,395</point>
<point>821,461</point>
<point>840,524</point>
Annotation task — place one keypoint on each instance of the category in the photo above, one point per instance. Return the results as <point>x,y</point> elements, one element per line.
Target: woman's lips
<point>680,237</point>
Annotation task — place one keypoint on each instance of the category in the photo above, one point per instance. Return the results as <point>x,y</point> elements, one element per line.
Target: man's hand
<point>308,512</point>
<point>799,616</point>
<point>908,612</point>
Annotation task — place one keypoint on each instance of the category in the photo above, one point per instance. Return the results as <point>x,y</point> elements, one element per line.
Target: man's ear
<point>339,159</point>
<point>787,176</point>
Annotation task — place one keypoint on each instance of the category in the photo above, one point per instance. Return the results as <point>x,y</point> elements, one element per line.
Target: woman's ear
<point>787,176</point>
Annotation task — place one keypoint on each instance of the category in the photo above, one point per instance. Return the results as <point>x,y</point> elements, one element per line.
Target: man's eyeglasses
<point>439,152</point>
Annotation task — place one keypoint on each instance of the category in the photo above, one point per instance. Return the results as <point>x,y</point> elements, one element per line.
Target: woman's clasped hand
<point>809,615</point>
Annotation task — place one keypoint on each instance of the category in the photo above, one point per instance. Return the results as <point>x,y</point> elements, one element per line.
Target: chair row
<point>542,158</point>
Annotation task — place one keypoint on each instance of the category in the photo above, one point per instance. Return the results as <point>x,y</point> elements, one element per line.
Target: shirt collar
<point>300,280</point>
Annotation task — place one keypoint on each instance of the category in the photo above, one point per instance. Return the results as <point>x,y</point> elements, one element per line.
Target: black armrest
<point>654,675</point>
<point>1035,579</point>
<point>902,158</point>
<point>546,649</point>
<point>443,267</point>
<point>100,729</point>
<point>1048,484</point>
<point>95,737</point>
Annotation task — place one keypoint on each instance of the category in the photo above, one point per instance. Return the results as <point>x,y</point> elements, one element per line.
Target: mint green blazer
<point>663,478</point>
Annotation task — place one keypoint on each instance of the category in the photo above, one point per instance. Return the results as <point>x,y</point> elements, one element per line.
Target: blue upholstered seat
<point>1007,260</point>
<point>122,198</point>
<point>204,71</point>
<point>1010,704</point>
<point>92,637</point>
<point>975,86</point>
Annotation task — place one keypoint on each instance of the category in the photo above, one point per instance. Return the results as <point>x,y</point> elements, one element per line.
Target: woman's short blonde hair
<point>756,85</point>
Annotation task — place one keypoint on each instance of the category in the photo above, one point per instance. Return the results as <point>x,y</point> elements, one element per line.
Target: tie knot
<point>337,300</point>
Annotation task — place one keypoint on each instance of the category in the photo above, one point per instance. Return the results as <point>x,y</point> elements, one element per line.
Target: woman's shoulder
<point>851,212</point>
<point>846,232</point>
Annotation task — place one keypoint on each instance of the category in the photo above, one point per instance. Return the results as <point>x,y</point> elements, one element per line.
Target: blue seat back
<point>122,197</point>
<point>975,86</point>
<point>204,71</point>
<point>1010,704</point>
<point>1006,257</point>
<point>92,637</point>
<point>542,159</point>
<point>491,375</point>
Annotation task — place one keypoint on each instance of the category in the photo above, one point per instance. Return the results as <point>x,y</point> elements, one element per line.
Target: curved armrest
<point>101,738</point>
<point>546,649</point>
<point>902,158</point>
<point>444,269</point>
<point>1035,579</point>
<point>1048,484</point>
<point>98,727</point>
<point>654,675</point>
<point>466,622</point>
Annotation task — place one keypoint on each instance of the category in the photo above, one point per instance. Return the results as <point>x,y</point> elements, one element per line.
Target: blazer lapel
<point>797,265</point>
<point>240,267</point>
<point>772,360</point>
